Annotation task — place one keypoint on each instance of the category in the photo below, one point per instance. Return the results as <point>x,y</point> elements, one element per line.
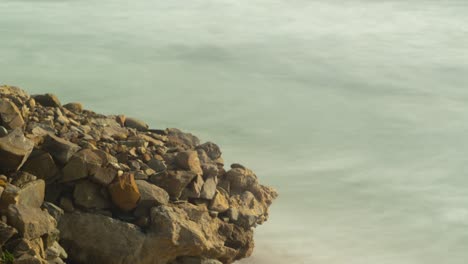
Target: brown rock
<point>32,194</point>
<point>48,100</point>
<point>42,165</point>
<point>10,115</point>
<point>30,222</point>
<point>151,195</point>
<point>136,124</point>
<point>81,165</point>
<point>177,138</point>
<point>74,107</point>
<point>61,149</point>
<point>211,149</point>
<point>6,232</point>
<point>14,150</point>
<point>174,182</point>
<point>9,196</point>
<point>188,160</point>
<point>104,175</point>
<point>220,202</point>
<point>88,195</point>
<point>124,192</point>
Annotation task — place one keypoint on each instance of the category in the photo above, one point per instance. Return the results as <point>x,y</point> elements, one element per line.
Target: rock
<point>124,192</point>
<point>55,211</point>
<point>151,195</point>
<point>28,259</point>
<point>30,222</point>
<point>82,164</point>
<point>42,165</point>
<point>14,150</point>
<point>177,138</point>
<point>104,175</point>
<point>210,174</point>
<point>3,131</point>
<point>174,182</point>
<point>195,260</point>
<point>188,160</point>
<point>6,232</point>
<point>194,188</point>
<point>56,251</point>
<point>9,196</point>
<point>157,165</point>
<point>211,149</point>
<point>48,100</point>
<point>136,124</point>
<point>10,115</point>
<point>32,194</point>
<point>61,149</point>
<point>67,205</point>
<point>74,107</point>
<point>88,195</point>
<point>220,202</point>
<point>21,178</point>
<point>90,238</point>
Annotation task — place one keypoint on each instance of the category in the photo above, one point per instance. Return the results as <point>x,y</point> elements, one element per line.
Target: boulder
<point>177,138</point>
<point>81,165</point>
<point>210,174</point>
<point>74,107</point>
<point>104,175</point>
<point>91,238</point>
<point>9,196</point>
<point>55,211</point>
<point>42,165</point>
<point>188,160</point>
<point>89,196</point>
<point>32,194</point>
<point>29,221</point>
<point>14,150</point>
<point>48,100</point>
<point>211,149</point>
<point>151,195</point>
<point>174,182</point>
<point>220,202</point>
<point>10,115</point>
<point>136,124</point>
<point>61,149</point>
<point>124,192</point>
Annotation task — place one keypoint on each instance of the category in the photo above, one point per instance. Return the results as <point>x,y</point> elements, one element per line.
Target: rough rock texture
<point>81,187</point>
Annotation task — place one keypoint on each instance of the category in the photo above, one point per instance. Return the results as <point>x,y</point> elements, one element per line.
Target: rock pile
<point>108,189</point>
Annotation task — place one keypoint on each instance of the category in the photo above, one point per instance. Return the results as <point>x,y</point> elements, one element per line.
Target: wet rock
<point>88,195</point>
<point>14,151</point>
<point>136,124</point>
<point>61,149</point>
<point>124,192</point>
<point>49,100</point>
<point>174,182</point>
<point>30,222</point>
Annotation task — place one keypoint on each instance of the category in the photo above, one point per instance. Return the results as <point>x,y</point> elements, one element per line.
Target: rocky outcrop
<point>88,188</point>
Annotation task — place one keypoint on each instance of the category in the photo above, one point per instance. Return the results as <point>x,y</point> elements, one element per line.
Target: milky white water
<point>356,111</point>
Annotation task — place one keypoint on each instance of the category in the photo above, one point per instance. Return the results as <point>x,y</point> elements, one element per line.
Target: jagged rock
<point>29,221</point>
<point>177,138</point>
<point>32,194</point>
<point>136,123</point>
<point>157,165</point>
<point>81,165</point>
<point>10,115</point>
<point>61,149</point>
<point>55,251</point>
<point>88,195</point>
<point>14,150</point>
<point>210,175</point>
<point>74,107</point>
<point>49,100</point>
<point>174,182</point>
<point>124,192</point>
<point>90,238</point>
<point>55,211</point>
<point>220,203</point>
<point>188,160</point>
<point>9,196</point>
<point>211,149</point>
<point>151,195</point>
<point>194,188</point>
<point>104,175</point>
<point>6,232</point>
<point>20,178</point>
<point>42,165</point>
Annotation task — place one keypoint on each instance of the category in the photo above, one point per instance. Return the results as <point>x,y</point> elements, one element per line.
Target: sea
<point>356,111</point>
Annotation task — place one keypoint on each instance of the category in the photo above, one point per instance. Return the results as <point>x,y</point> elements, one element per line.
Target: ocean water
<point>356,111</point>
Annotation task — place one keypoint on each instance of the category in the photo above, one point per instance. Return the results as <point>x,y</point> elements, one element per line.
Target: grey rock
<point>151,195</point>
<point>61,149</point>
<point>29,221</point>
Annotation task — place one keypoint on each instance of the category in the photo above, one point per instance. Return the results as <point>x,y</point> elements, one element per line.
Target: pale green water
<point>355,110</point>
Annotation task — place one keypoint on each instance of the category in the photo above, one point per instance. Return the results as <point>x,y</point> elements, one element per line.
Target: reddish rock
<point>124,192</point>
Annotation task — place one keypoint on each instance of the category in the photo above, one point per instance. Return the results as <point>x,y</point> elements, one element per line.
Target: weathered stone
<point>157,165</point>
<point>32,194</point>
<point>42,165</point>
<point>56,251</point>
<point>3,131</point>
<point>88,195</point>
<point>14,150</point>
<point>188,160</point>
<point>67,204</point>
<point>6,232</point>
<point>124,192</point>
<point>151,195</point>
<point>211,149</point>
<point>20,178</point>
<point>9,196</point>
<point>174,182</point>
<point>90,238</point>
<point>48,100</point>
<point>194,188</point>
<point>177,138</point>
<point>104,175</point>
<point>136,124</point>
<point>74,107</point>
<point>29,259</point>
<point>29,221</point>
<point>10,115</point>
<point>61,149</point>
<point>220,202</point>
<point>81,165</point>
<point>210,174</point>
<point>55,211</point>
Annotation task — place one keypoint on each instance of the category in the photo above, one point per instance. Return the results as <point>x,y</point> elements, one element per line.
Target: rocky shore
<point>81,187</point>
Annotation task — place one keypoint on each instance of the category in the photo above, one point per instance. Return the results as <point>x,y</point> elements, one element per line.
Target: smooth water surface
<point>356,111</point>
